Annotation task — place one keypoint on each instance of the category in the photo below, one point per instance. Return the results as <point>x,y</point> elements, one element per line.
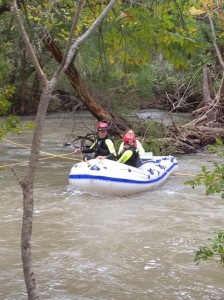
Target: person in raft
<point>137,144</point>
<point>103,146</point>
<point>129,155</point>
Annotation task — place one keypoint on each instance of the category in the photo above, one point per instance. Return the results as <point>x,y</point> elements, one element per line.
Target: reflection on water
<point>103,247</point>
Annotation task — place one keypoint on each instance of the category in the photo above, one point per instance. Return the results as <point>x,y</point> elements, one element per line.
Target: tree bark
<point>27,182</point>
<point>27,188</point>
<point>24,77</point>
<point>207,85</point>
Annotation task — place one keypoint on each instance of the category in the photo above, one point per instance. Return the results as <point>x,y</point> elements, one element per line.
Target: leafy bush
<point>215,249</point>
<point>214,183</point>
<point>152,133</point>
<point>6,92</point>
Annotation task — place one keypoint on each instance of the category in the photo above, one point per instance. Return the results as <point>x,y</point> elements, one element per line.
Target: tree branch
<point>74,25</point>
<point>215,41</point>
<point>15,11</point>
<point>83,38</point>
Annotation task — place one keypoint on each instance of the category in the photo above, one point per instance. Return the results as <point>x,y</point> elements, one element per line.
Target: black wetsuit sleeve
<point>111,156</point>
<point>86,150</point>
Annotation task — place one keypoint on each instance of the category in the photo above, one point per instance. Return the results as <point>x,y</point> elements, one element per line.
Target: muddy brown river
<point>86,247</point>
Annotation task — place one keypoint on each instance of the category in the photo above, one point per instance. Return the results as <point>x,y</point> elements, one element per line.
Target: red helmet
<point>128,139</point>
<point>102,126</point>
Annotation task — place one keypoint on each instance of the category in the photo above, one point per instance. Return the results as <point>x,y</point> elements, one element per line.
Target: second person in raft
<point>103,146</point>
<point>136,143</point>
<point>129,155</point>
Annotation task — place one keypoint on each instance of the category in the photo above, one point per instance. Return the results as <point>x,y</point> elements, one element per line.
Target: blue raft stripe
<point>151,160</point>
<point>113,179</point>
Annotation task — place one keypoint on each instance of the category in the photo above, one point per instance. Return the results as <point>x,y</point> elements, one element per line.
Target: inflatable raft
<point>108,177</point>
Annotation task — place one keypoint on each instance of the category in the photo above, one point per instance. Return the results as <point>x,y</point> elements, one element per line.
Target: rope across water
<point>64,156</point>
<point>50,155</point>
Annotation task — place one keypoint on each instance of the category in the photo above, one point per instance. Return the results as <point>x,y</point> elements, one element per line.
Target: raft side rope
<point>42,152</point>
<point>183,174</point>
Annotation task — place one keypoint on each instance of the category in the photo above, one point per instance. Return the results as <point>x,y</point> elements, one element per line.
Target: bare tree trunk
<point>48,86</point>
<point>207,93</point>
<point>23,77</point>
<point>26,232</point>
<point>27,187</point>
<point>207,85</point>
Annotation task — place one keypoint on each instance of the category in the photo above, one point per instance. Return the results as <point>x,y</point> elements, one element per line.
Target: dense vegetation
<point>146,54</point>
<point>143,54</point>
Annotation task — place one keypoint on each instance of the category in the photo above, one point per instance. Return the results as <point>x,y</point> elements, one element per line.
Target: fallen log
<point>199,111</point>
<point>214,130</point>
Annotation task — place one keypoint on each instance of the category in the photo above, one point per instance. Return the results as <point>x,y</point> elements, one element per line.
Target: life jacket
<point>133,160</point>
<point>100,147</point>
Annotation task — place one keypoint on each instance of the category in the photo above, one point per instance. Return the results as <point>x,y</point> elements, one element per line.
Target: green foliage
<point>143,31</point>
<point>7,47</point>
<point>141,47</point>
<point>6,92</point>
<point>124,52</point>
<point>151,133</point>
<point>132,37</point>
<point>203,253</point>
<point>213,180</point>
<point>215,249</point>
<point>214,183</point>
<point>138,48</point>
<point>144,79</point>
<point>11,123</point>
<point>5,64</point>
<point>14,125</point>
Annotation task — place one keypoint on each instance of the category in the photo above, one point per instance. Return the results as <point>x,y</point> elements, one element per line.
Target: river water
<point>103,247</point>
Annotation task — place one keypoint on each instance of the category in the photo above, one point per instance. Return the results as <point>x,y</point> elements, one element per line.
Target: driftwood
<point>208,124</point>
<point>190,140</point>
<point>195,135</point>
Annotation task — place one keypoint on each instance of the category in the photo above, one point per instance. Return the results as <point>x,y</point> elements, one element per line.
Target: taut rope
<point>43,152</point>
